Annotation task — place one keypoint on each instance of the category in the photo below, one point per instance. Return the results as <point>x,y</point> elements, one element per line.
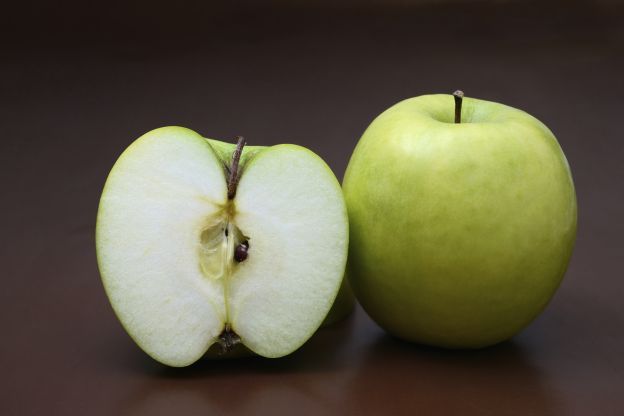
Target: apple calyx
<point>458,96</point>
<point>228,339</point>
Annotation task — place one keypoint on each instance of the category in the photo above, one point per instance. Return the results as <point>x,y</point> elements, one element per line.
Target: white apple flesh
<point>167,233</point>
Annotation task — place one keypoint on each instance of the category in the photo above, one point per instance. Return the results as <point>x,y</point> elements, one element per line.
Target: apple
<point>201,242</point>
<point>462,223</point>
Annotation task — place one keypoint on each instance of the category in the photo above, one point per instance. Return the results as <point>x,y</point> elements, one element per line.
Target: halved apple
<point>202,242</point>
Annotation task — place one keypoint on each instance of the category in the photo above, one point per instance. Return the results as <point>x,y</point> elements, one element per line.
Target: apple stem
<point>234,174</point>
<point>458,95</point>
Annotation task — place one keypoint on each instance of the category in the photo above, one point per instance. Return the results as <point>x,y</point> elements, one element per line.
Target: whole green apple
<point>462,221</point>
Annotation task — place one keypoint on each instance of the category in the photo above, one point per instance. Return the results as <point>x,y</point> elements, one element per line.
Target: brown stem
<point>458,95</point>
<point>234,174</point>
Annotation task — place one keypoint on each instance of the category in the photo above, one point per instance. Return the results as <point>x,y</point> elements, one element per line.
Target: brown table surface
<point>78,86</point>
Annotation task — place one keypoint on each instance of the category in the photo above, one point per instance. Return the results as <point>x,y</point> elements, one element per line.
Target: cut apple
<point>188,263</point>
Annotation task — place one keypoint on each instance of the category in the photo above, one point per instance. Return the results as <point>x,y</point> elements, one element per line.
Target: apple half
<point>201,242</point>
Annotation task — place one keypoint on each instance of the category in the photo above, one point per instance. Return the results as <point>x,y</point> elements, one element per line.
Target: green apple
<point>462,222</point>
<point>201,242</point>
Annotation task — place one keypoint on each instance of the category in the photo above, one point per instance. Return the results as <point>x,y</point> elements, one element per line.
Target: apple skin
<point>460,234</point>
<point>343,304</point>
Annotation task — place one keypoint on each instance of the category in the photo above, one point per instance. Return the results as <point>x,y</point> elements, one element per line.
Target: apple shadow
<point>241,398</point>
<point>351,367</point>
<point>305,380</point>
<point>322,352</point>
<point>395,375</point>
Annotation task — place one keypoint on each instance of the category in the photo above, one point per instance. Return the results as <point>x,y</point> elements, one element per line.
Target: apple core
<point>218,245</point>
<point>223,245</point>
<point>221,240</point>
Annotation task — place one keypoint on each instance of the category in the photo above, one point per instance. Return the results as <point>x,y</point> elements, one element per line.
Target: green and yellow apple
<point>201,242</point>
<point>462,222</point>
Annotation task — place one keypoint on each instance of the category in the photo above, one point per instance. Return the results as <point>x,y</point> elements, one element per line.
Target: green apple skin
<point>460,234</point>
<point>343,304</point>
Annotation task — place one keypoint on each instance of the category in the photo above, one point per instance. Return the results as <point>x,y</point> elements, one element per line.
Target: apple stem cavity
<point>459,96</point>
<point>234,174</point>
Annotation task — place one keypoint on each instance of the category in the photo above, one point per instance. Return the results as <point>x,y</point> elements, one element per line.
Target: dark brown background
<point>79,81</point>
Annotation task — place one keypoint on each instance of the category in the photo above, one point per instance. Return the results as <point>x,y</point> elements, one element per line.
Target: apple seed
<point>240,253</point>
